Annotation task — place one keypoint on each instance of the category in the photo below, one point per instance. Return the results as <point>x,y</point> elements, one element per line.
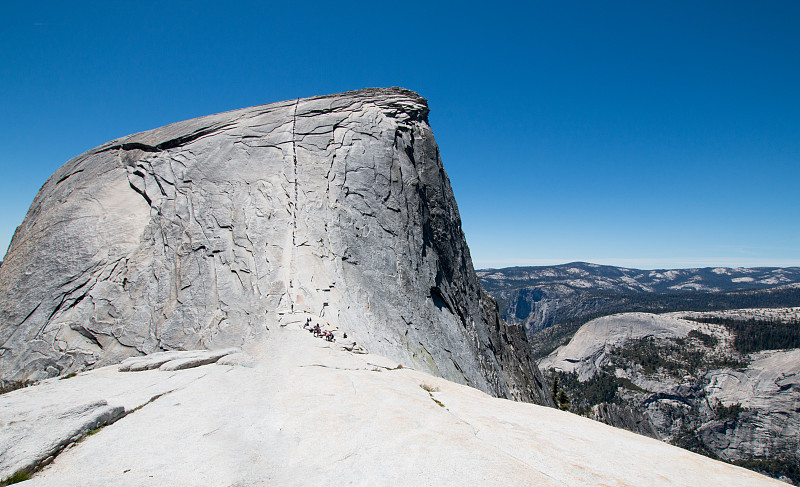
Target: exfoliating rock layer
<point>203,233</point>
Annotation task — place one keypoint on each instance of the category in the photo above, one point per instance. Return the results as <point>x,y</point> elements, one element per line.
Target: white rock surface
<point>309,413</point>
<point>38,422</point>
<point>33,432</point>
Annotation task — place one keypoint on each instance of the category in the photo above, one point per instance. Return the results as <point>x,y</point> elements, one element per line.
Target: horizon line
<point>642,264</point>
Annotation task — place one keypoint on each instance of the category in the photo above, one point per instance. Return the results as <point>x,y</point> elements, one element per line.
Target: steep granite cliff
<point>203,233</point>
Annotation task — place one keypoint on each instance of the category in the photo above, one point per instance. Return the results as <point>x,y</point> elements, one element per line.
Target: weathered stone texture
<point>202,233</point>
<point>624,417</point>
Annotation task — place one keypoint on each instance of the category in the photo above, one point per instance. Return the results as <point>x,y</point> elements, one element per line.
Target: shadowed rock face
<point>201,234</point>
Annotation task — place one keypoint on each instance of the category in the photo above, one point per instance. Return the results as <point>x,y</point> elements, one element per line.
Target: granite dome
<point>201,234</point>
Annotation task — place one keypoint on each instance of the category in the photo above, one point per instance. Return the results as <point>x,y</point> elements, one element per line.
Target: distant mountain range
<point>569,295</point>
<point>582,276</point>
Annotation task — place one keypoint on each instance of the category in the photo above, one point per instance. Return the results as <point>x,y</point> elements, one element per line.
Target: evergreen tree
<point>563,400</point>
<point>554,391</point>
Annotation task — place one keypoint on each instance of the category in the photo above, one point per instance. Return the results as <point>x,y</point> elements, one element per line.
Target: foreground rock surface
<point>199,234</point>
<point>309,413</point>
<point>39,422</point>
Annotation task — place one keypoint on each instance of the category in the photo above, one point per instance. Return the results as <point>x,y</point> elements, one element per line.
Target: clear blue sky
<point>644,134</point>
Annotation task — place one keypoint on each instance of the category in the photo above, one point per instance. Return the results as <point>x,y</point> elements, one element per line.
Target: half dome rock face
<point>205,233</point>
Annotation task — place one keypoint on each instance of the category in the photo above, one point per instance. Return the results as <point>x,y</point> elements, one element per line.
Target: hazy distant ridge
<point>586,276</point>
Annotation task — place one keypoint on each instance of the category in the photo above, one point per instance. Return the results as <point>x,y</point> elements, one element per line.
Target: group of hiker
<point>319,332</point>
